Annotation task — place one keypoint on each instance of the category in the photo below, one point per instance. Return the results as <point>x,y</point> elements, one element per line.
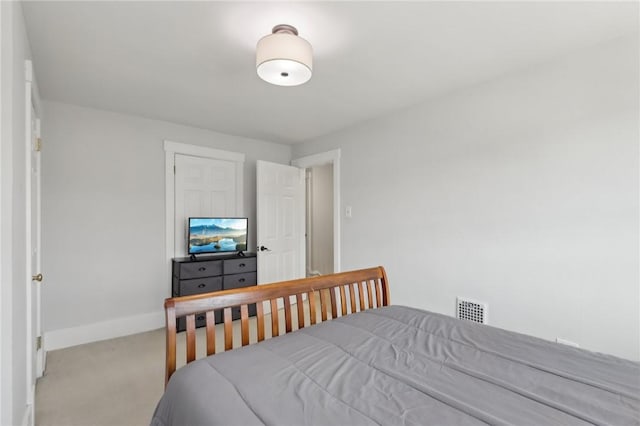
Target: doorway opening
<point>319,220</point>
<point>322,212</point>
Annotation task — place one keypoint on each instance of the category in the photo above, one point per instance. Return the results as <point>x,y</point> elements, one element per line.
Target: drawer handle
<point>203,285</point>
<point>202,268</point>
<point>242,265</point>
<point>241,280</point>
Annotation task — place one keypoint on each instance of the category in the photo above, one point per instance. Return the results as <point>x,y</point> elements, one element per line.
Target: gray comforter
<point>398,365</point>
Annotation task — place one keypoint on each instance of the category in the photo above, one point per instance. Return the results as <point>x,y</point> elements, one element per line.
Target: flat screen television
<point>217,235</point>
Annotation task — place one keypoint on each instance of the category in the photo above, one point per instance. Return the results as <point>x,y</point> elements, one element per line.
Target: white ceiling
<point>193,63</point>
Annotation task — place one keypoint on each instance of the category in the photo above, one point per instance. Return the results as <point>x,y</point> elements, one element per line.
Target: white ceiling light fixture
<point>283,58</point>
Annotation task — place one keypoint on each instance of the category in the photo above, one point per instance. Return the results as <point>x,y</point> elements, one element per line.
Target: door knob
<point>37,277</point>
<point>263,248</point>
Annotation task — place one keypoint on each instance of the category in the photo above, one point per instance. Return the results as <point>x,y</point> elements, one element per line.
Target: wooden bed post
<point>170,315</point>
<point>386,297</point>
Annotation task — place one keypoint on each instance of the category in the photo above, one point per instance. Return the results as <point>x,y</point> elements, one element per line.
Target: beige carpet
<point>119,381</point>
<point>113,382</point>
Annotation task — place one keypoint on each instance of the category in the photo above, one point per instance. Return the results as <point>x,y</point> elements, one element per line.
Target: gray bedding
<point>399,365</point>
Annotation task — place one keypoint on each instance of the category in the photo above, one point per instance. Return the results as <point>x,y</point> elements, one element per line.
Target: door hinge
<point>38,343</point>
<point>38,146</point>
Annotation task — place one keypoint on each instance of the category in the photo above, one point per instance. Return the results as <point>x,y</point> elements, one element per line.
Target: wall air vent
<point>471,310</point>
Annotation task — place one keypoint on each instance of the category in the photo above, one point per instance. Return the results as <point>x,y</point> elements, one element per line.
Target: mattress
<point>397,365</point>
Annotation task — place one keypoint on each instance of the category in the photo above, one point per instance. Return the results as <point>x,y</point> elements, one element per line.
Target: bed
<point>340,354</point>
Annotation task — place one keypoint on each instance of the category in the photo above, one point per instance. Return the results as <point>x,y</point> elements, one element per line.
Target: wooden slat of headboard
<point>312,307</point>
<point>275,326</point>
<point>334,305</point>
<point>191,338</point>
<point>188,306</point>
<point>361,295</point>
<point>260,320</point>
<point>244,320</point>
<point>323,304</point>
<point>378,297</point>
<point>287,314</point>
<point>228,329</point>
<point>300,306</point>
<point>352,296</point>
<point>370,293</point>
<point>211,333</point>
<point>343,300</point>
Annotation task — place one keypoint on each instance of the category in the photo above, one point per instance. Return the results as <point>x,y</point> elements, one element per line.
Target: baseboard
<point>27,417</point>
<point>66,337</point>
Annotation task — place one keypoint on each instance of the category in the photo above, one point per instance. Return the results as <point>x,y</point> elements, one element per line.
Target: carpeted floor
<point>113,382</point>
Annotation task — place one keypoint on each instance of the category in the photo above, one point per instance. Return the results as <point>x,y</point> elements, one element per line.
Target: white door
<point>34,351</point>
<point>203,187</point>
<point>280,214</point>
<point>36,263</point>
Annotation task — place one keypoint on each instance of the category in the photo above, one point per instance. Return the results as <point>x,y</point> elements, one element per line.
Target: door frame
<point>320,159</point>
<point>3,386</point>
<point>173,148</point>
<point>31,102</point>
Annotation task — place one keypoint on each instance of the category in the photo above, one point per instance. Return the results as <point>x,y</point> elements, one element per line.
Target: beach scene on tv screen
<point>208,235</point>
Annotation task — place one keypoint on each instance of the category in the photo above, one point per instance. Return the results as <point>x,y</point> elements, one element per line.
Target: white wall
<point>103,210</point>
<point>521,192</point>
<point>13,279</point>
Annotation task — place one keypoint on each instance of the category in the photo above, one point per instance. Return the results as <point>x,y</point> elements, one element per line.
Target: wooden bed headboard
<point>355,291</point>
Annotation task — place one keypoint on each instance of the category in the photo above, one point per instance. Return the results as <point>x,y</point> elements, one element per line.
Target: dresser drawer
<point>240,265</point>
<point>207,268</point>
<point>200,285</point>
<point>239,280</point>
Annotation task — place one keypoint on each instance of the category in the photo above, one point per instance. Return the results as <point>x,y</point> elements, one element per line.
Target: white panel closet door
<point>280,222</point>
<point>203,187</point>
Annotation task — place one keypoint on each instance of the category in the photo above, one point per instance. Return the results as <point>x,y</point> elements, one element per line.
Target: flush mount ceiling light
<point>283,58</point>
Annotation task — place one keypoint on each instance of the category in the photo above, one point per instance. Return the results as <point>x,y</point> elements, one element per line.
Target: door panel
<point>35,267</point>
<point>280,222</point>
<point>37,361</point>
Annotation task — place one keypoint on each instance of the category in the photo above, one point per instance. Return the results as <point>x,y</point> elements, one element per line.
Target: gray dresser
<point>213,273</point>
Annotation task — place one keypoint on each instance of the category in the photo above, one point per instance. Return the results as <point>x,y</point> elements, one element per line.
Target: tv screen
<point>217,234</point>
